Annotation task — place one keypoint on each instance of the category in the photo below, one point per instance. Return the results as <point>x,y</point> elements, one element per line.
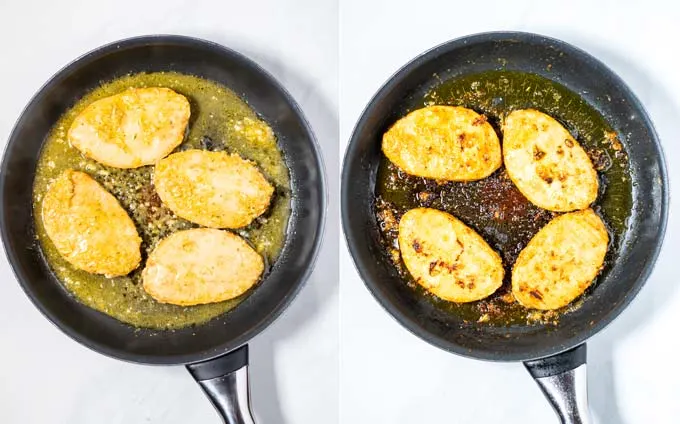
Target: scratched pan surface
<point>495,73</point>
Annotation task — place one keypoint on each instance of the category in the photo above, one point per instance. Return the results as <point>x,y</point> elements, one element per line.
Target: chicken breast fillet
<point>201,265</point>
<point>560,261</point>
<point>134,128</point>
<point>546,163</point>
<point>88,226</point>
<point>447,257</point>
<point>445,143</point>
<point>213,189</point>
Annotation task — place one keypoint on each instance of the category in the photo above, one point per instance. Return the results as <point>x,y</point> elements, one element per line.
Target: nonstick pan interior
<point>578,72</point>
<point>264,95</point>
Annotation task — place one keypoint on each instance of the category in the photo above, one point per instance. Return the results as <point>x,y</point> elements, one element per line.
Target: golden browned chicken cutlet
<point>447,257</point>
<point>201,265</point>
<point>213,189</point>
<point>88,226</point>
<point>134,128</point>
<point>546,163</point>
<point>560,261</point>
<point>445,143</point>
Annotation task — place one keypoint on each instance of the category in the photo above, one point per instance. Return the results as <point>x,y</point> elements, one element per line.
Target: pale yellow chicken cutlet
<point>134,128</point>
<point>546,163</point>
<point>213,189</point>
<point>561,261</point>
<point>201,265</point>
<point>88,226</point>
<point>444,143</point>
<point>448,258</point>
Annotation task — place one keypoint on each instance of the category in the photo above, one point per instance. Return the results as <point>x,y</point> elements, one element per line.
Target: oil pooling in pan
<point>493,206</point>
<point>220,121</point>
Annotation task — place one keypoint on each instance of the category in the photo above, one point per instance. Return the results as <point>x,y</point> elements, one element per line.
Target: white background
<point>47,378</point>
<point>389,375</point>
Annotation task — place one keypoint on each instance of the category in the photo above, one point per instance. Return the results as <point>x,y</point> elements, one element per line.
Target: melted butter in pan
<point>220,121</point>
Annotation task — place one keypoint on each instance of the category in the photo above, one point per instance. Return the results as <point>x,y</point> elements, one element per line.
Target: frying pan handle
<point>225,381</point>
<point>562,379</point>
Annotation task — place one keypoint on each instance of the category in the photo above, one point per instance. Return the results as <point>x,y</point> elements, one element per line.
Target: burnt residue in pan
<point>494,207</point>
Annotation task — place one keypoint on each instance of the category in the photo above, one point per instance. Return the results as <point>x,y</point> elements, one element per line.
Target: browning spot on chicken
<point>536,294</point>
<point>443,266</point>
<point>479,120</point>
<point>545,174</point>
<point>448,266</point>
<point>538,153</point>
<point>461,141</point>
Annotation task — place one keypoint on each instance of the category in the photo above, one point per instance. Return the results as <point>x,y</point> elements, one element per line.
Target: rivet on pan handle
<point>562,379</point>
<point>225,381</point>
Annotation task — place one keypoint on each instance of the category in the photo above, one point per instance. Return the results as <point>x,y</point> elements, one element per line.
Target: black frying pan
<point>555,355</point>
<point>215,352</point>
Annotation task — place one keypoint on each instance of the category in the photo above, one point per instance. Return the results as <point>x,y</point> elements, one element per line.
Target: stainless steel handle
<point>230,394</point>
<point>563,380</point>
<point>568,395</point>
<point>225,381</point>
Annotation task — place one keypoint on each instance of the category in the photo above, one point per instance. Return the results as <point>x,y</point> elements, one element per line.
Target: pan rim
<point>151,40</point>
<point>359,263</point>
